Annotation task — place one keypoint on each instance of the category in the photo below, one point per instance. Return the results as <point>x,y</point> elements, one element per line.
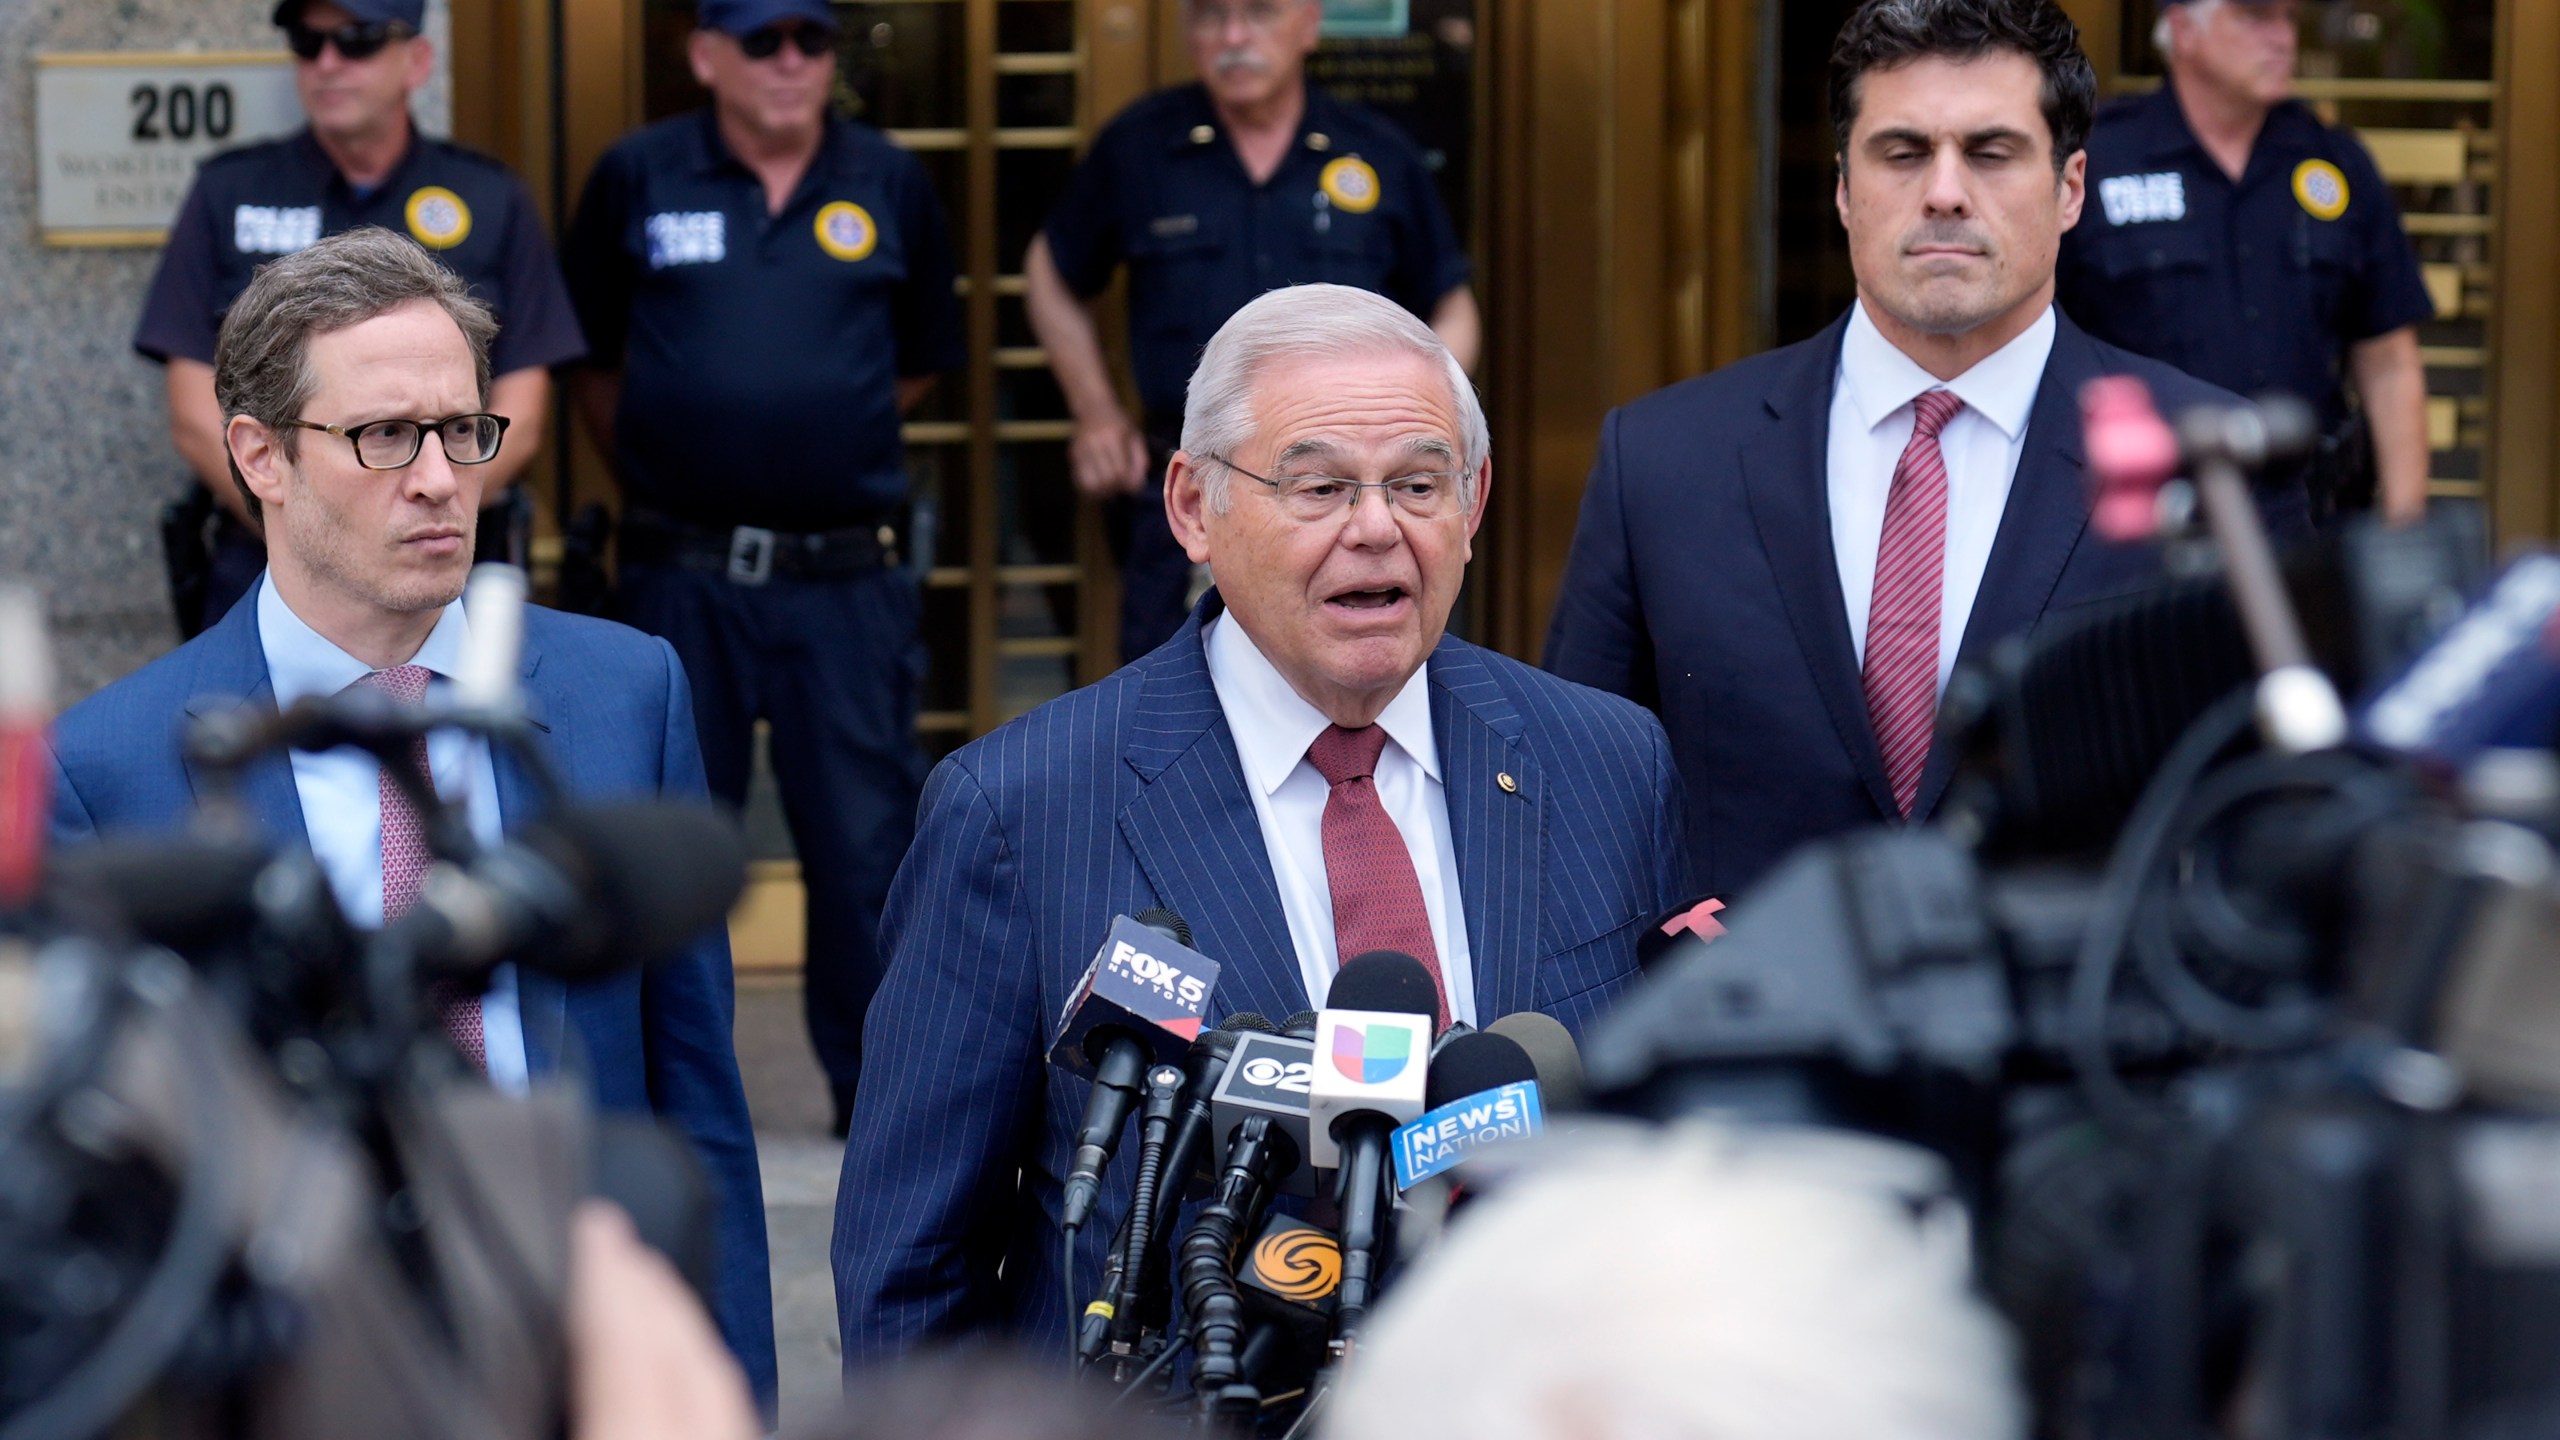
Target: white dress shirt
<point>341,792</point>
<point>1871,420</point>
<point>1273,726</point>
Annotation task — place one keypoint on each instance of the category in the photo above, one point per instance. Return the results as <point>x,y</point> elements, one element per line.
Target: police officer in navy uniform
<point>359,161</point>
<point>769,288</point>
<point>2232,234</point>
<point>1212,193</point>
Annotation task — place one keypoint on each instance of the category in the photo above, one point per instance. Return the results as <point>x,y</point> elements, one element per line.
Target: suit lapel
<point>2047,513</point>
<point>1783,474</point>
<point>1496,831</point>
<point>1197,839</point>
<point>542,1003</point>
<point>231,675</point>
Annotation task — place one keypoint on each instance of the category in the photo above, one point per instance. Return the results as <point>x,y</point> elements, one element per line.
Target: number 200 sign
<point>119,133</point>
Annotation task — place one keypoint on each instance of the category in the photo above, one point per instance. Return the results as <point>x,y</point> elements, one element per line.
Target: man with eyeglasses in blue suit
<point>360,161</point>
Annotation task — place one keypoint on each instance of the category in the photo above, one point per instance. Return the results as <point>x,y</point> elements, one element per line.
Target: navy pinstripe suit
<point>1127,794</point>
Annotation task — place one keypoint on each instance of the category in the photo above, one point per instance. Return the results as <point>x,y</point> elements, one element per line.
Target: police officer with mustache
<point>1212,193</point>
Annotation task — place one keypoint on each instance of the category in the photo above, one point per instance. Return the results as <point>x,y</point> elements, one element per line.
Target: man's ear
<point>259,452</point>
<point>1186,505</point>
<point>1484,501</point>
<point>697,57</point>
<point>2075,187</point>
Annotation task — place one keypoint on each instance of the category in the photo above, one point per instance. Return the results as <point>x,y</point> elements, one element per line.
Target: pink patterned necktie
<point>1377,902</point>
<point>1901,671</point>
<point>406,860</point>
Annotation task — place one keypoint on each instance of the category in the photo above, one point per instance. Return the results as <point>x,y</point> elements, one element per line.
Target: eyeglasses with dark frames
<point>356,40</point>
<point>392,444</point>
<point>1424,494</point>
<point>766,42</point>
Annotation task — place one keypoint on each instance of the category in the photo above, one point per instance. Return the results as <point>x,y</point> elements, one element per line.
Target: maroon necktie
<point>1377,902</point>
<point>1901,671</point>
<point>406,860</point>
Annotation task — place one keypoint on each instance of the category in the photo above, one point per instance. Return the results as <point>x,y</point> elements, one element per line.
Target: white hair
<point>1696,1283</point>
<point>1312,322</point>
<point>2198,11</point>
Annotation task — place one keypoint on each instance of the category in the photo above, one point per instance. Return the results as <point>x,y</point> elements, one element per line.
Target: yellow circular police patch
<point>845,230</point>
<point>438,218</point>
<point>2321,188</point>
<point>1351,185</point>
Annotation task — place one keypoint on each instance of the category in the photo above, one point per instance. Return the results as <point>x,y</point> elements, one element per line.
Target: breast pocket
<point>2157,277</point>
<point>2324,260</point>
<point>1347,249</point>
<point>1179,268</point>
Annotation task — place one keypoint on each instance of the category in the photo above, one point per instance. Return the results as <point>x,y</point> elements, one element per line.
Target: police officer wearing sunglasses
<point>359,161</point>
<point>768,288</point>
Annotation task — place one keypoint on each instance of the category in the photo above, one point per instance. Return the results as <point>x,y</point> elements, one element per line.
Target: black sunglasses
<point>356,40</point>
<point>766,42</point>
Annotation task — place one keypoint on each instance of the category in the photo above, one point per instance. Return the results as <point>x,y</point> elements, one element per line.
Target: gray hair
<point>2161,34</point>
<point>1701,1281</point>
<point>262,361</point>
<point>1312,322</point>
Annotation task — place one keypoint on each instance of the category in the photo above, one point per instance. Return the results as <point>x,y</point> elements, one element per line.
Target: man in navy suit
<point>1786,558</point>
<point>1309,769</point>
<point>353,377</point>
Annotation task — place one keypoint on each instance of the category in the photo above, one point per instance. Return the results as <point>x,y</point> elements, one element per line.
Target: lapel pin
<point>1509,785</point>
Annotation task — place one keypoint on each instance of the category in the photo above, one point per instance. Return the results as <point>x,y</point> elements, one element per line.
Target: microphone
<point>1371,1041</point>
<point>579,893</point>
<point>1483,1092</point>
<point>1561,1087</point>
<point>488,676</point>
<point>1268,1077</point>
<point>1302,1025</point>
<point>26,768</point>
<point>1141,1001</point>
<point>1287,1279</point>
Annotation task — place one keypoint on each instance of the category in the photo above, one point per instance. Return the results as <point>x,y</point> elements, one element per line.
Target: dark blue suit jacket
<point>616,719</point>
<point>1128,794</point>
<point>1702,584</point>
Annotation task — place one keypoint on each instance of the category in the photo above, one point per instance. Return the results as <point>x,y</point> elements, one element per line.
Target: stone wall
<point>85,460</point>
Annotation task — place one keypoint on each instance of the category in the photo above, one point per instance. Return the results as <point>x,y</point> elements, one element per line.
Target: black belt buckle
<point>750,555</point>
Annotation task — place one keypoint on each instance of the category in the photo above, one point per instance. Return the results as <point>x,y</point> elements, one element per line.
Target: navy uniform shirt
<point>250,205</point>
<point>2256,286</point>
<point>1163,190</point>
<point>760,352</point>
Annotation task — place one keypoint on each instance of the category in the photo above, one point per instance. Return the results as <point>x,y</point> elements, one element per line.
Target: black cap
<point>412,13</point>
<point>745,17</point>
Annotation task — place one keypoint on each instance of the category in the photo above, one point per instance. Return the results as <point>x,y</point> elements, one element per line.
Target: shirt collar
<point>306,149</point>
<point>712,153</point>
<point>2001,387</point>
<point>302,662</point>
<point>1273,724</point>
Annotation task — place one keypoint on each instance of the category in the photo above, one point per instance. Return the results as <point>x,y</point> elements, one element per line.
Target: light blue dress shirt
<point>341,792</point>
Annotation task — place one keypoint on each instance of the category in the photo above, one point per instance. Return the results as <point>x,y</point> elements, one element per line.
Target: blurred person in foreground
<point>1694,1283</point>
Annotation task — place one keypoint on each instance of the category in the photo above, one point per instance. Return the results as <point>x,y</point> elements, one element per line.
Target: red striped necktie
<point>1901,671</point>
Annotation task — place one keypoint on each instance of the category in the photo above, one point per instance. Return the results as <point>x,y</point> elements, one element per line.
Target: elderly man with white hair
<point>1700,1283</point>
<point>1310,769</point>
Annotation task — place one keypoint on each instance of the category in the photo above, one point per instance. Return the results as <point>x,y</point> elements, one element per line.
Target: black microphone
<point>1140,1002</point>
<point>1561,1088</point>
<point>1372,1043</point>
<point>579,893</point>
<point>1203,1069</point>
<point>1302,1025</point>
<point>1287,1279</point>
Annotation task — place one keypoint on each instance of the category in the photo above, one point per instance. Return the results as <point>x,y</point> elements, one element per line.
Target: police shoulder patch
<point>1350,184</point>
<point>846,231</point>
<point>438,218</point>
<point>2322,189</point>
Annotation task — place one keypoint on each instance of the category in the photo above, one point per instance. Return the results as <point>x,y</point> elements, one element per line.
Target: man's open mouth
<point>1378,599</point>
